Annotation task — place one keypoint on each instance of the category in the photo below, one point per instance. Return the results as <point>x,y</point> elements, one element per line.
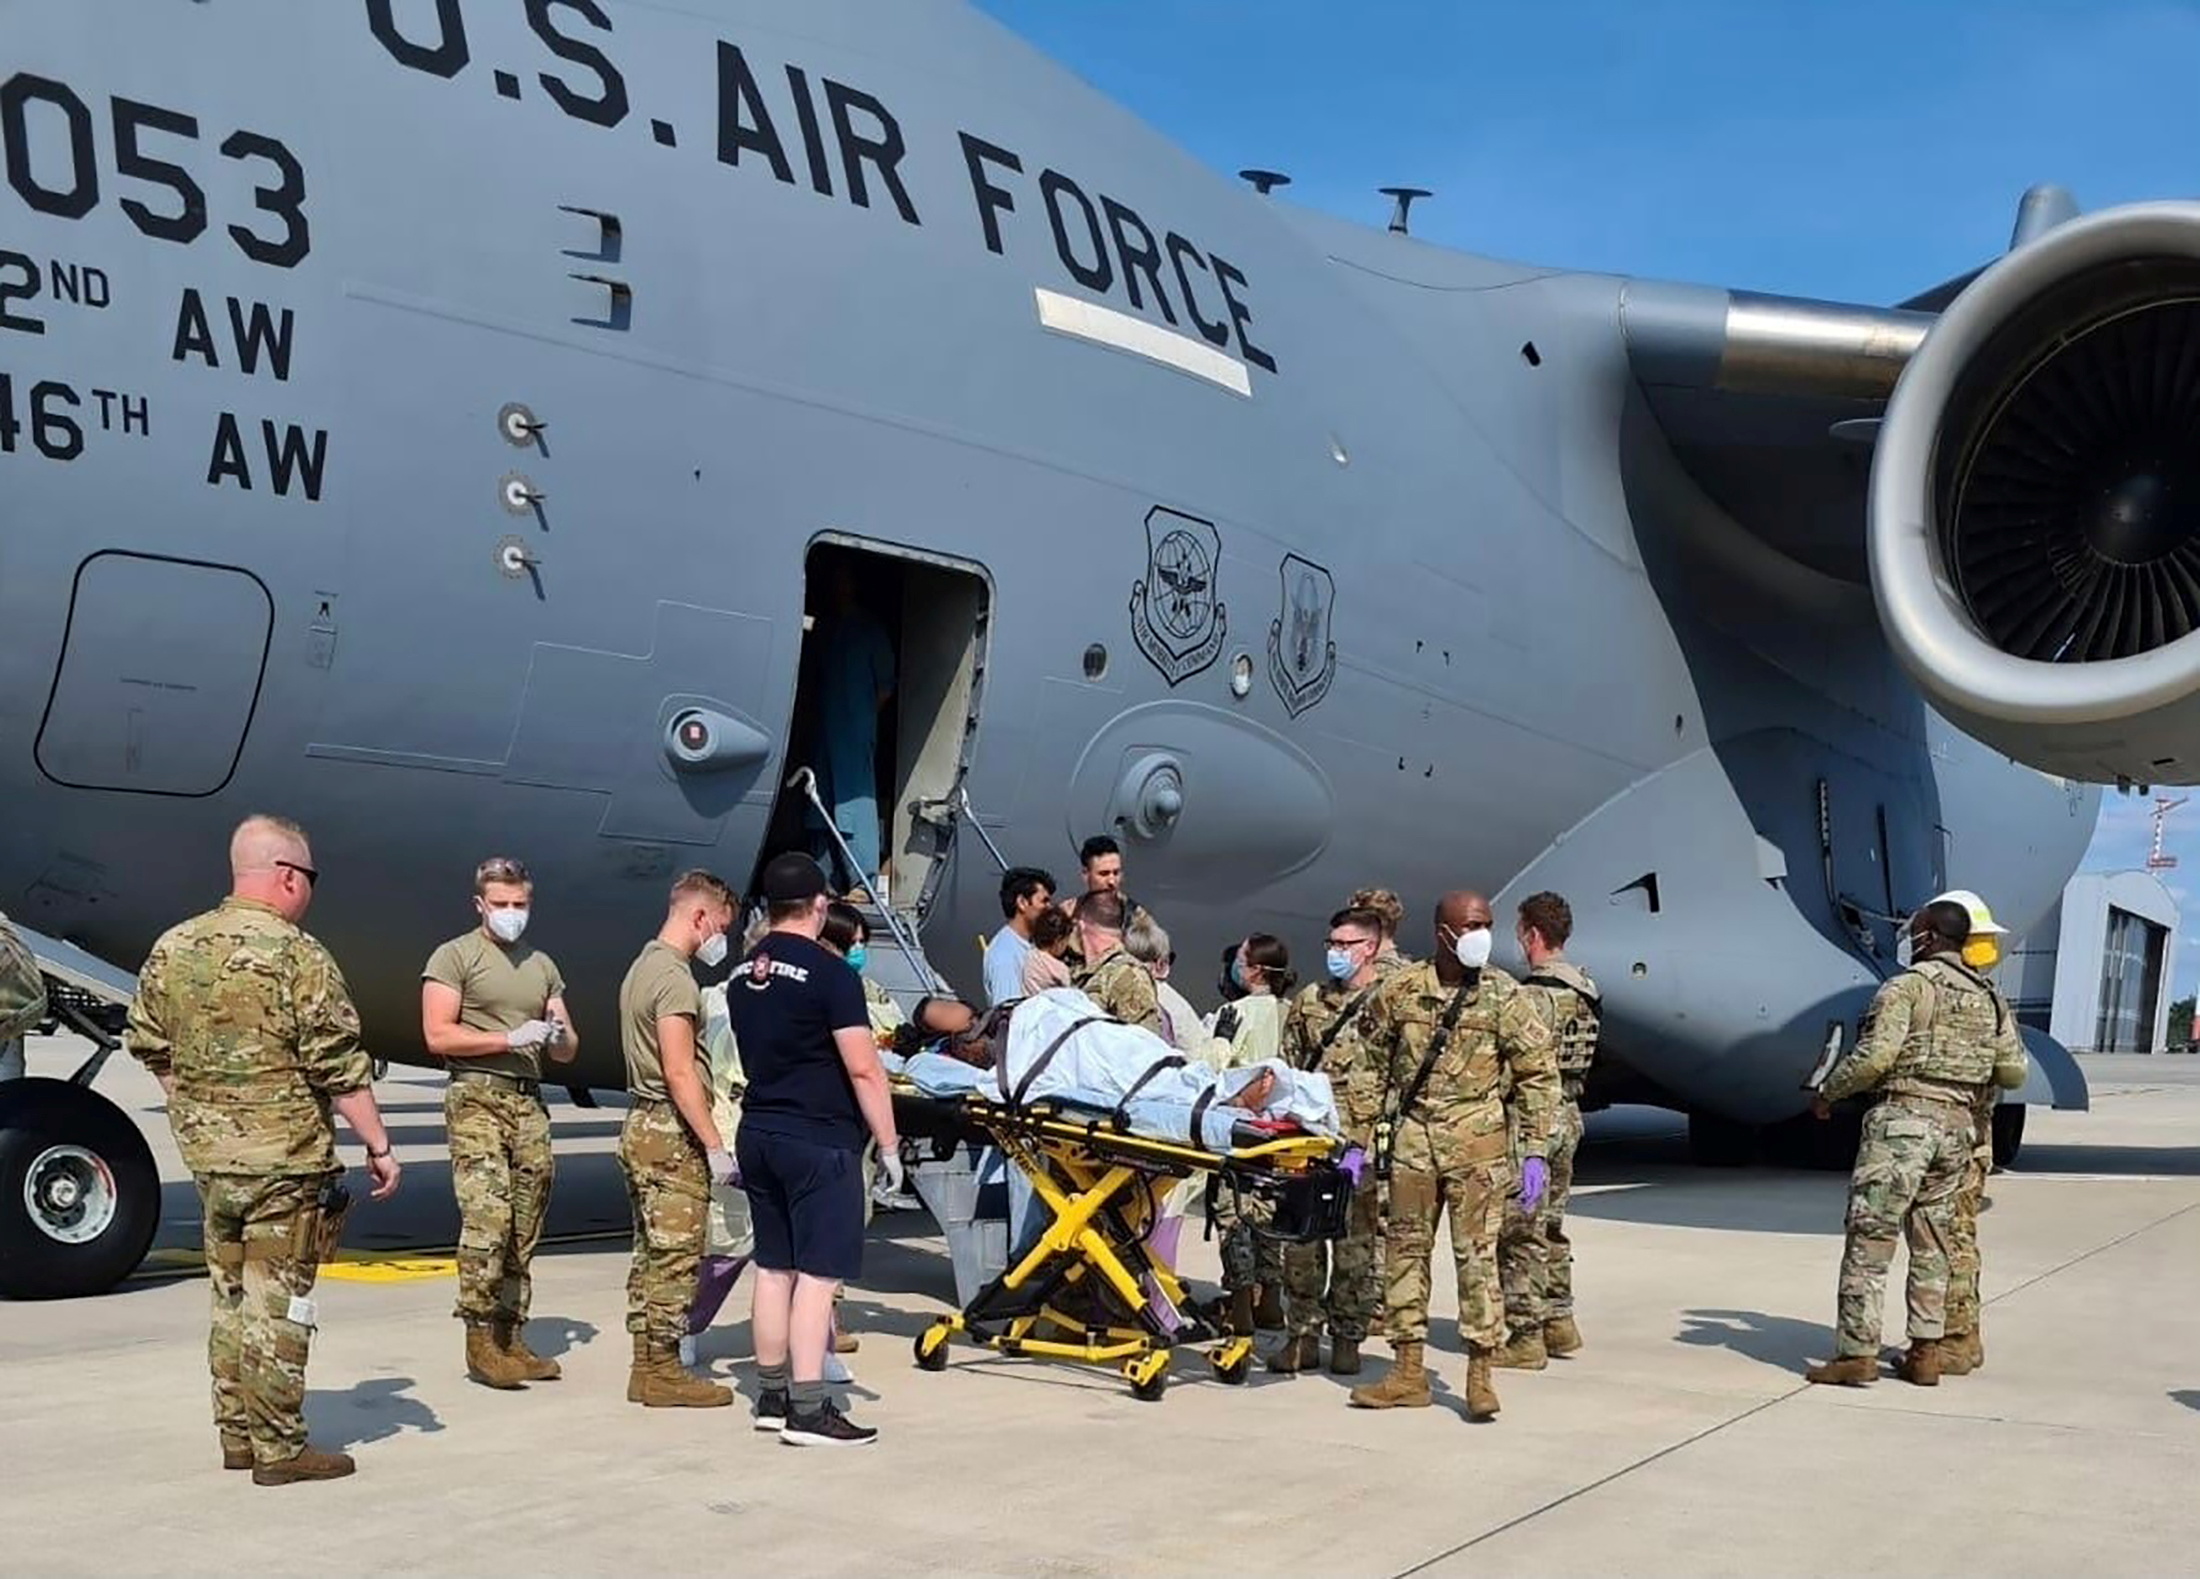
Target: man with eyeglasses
<point>247,1024</point>
<point>1338,1286</point>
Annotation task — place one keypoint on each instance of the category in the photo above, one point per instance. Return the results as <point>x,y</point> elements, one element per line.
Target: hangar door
<point>160,671</point>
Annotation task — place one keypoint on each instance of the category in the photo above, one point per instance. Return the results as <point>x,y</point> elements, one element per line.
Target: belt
<point>1941,1099</point>
<point>494,1077</point>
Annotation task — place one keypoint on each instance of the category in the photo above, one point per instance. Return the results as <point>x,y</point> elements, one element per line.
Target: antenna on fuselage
<point>1264,181</point>
<point>1404,196</point>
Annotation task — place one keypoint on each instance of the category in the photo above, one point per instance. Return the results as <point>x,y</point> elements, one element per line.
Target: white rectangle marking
<point>1105,326</point>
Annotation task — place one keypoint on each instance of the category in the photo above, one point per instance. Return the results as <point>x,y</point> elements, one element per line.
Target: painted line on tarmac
<point>1598,1484</point>
<point>388,1264</point>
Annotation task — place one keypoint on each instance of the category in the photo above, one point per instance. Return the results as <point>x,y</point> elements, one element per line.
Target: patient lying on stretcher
<point>1059,1046</point>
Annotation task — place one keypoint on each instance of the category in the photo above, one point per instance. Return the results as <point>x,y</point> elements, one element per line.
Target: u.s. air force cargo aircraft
<point>433,419</point>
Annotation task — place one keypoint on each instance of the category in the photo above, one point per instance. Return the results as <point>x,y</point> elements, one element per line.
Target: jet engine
<point>2034,521</point>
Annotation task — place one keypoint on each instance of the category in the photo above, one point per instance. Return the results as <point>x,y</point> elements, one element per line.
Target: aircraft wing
<point>2005,459</point>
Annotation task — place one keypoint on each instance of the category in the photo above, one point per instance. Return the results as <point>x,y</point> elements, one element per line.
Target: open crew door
<point>885,717</point>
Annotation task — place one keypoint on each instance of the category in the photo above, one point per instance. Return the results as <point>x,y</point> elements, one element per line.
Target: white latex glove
<point>723,1169</point>
<point>533,1034</point>
<point>891,1174</point>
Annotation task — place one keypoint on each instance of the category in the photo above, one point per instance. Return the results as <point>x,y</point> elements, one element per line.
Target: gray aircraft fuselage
<point>409,412</point>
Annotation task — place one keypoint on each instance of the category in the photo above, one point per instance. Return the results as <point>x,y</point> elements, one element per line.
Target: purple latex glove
<point>1535,1178</point>
<point>1354,1165</point>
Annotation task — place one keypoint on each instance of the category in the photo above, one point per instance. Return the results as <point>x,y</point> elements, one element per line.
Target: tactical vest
<point>1954,1021</point>
<point>1580,1018</point>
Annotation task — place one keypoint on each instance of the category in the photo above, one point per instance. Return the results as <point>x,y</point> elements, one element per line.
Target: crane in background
<point>2163,806</point>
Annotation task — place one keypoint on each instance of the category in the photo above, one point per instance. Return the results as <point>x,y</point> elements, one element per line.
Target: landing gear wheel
<point>1232,1371</point>
<point>2008,1133</point>
<point>79,1195</point>
<point>931,1347</point>
<point>1715,1142</point>
<point>1149,1377</point>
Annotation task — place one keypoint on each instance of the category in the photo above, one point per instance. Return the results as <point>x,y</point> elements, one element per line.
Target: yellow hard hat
<point>1983,923</point>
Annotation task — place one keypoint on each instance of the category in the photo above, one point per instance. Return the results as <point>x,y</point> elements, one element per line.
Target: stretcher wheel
<point>1233,1372</point>
<point>931,1348</point>
<point>1150,1390</point>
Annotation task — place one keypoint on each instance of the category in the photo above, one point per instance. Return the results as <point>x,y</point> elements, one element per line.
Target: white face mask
<point>507,925</point>
<point>1472,949</point>
<point>712,952</point>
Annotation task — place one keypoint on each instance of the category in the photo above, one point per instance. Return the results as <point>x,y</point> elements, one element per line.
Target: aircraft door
<point>159,675</point>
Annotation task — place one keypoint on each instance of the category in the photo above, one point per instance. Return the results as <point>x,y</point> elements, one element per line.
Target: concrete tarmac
<point>1682,1440</point>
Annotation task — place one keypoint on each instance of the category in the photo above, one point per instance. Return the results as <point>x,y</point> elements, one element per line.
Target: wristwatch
<point>377,1156</point>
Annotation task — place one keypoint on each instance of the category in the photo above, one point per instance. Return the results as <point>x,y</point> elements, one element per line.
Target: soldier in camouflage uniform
<point>246,1022</point>
<point>669,1146</point>
<point>1476,1034</point>
<point>1338,1284</point>
<point>1392,910</point>
<point>1935,1040</point>
<point>1118,984</point>
<point>490,1005</point>
<point>1963,1346</point>
<point>22,999</point>
<point>1535,1260</point>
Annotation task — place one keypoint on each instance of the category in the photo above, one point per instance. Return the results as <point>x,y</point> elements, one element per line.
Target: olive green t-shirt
<point>658,985</point>
<point>500,986</point>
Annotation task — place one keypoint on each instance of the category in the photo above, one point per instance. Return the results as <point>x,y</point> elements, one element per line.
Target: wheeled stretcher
<point>1091,1289</point>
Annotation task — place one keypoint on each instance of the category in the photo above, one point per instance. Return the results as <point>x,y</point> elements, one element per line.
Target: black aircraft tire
<point>2008,1133</point>
<point>1715,1142</point>
<point>79,1194</point>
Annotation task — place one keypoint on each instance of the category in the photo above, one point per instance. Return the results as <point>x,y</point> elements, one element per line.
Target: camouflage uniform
<point>1122,988</point>
<point>22,999</point>
<point>251,1019</point>
<point>667,1175</point>
<point>1338,1284</point>
<point>502,1166</point>
<point>1452,1148</point>
<point>1534,1257</point>
<point>1963,1256</point>
<point>1936,1039</point>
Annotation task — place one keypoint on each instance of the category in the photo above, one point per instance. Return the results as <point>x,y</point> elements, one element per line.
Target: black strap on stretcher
<point>1023,1086</point>
<point>1336,1026</point>
<point>1121,1117</point>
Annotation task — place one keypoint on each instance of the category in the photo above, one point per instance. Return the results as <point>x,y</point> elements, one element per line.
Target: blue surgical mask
<point>857,957</point>
<point>1237,975</point>
<point>1339,964</point>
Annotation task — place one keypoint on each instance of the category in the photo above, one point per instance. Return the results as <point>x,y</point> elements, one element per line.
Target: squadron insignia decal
<point>1302,651</point>
<point>1176,617</point>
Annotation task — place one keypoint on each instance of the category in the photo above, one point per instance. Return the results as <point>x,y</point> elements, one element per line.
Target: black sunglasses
<point>308,873</point>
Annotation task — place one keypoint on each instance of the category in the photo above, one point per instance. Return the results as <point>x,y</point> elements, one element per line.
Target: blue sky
<point>1859,152</point>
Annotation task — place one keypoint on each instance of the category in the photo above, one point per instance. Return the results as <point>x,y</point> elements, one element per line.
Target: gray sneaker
<point>771,1411</point>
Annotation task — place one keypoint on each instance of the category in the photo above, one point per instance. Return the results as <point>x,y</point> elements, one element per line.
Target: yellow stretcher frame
<point>1104,1186</point>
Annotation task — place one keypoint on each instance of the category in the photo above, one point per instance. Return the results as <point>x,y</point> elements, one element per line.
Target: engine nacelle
<point>2035,501</point>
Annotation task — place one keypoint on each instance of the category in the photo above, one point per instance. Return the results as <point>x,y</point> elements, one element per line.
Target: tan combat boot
<point>1921,1366</point>
<point>1854,1370</point>
<point>310,1464</point>
<point>1344,1356</point>
<point>533,1367</point>
<point>1299,1354</point>
<point>1481,1391</point>
<point>1561,1337</point>
<point>486,1362</point>
<point>1524,1353</point>
<point>1404,1386</point>
<point>1956,1354</point>
<point>667,1384</point>
<point>236,1454</point>
<point>640,1373</point>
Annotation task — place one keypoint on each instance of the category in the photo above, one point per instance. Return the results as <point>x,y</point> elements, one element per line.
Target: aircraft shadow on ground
<point>1782,1342</point>
<point>367,1411</point>
<point>1752,1200</point>
<point>2188,1396</point>
<point>2107,1159</point>
<point>553,1337</point>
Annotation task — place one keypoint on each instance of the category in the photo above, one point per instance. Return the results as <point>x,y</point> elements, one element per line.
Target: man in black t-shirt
<point>815,1085</point>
